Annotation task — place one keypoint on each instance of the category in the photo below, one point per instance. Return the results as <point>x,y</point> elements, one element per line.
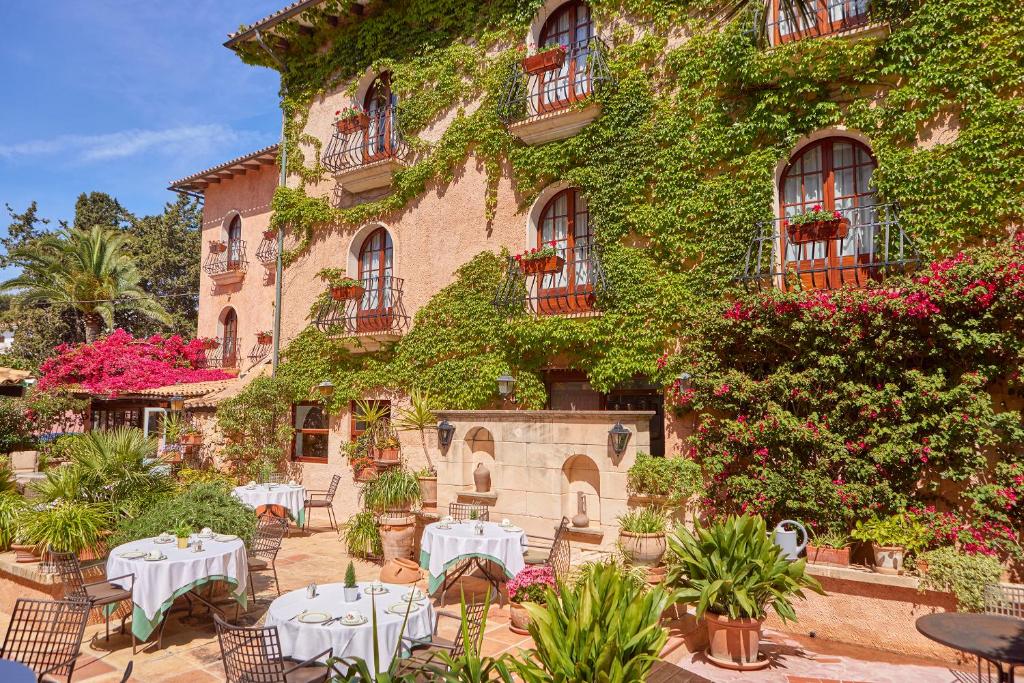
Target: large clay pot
<point>519,618</point>
<point>642,549</point>
<point>24,553</point>
<point>400,571</point>
<point>733,643</point>
<point>482,478</point>
<point>835,556</point>
<point>387,455</point>
<point>888,559</point>
<point>428,491</point>
<point>397,536</point>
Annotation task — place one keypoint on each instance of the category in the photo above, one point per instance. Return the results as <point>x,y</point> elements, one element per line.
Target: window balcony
<point>365,152</point>
<point>226,262</point>
<point>222,357</point>
<point>552,99</point>
<point>874,245</point>
<point>371,320</point>
<point>574,289</point>
<point>785,22</point>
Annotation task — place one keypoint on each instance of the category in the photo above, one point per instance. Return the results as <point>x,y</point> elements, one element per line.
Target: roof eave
<point>269,22</point>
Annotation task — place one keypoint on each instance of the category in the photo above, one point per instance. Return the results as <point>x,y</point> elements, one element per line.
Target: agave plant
<point>419,417</point>
<point>733,568</point>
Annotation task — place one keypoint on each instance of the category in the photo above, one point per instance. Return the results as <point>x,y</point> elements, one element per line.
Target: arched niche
<point>580,474</point>
<point>479,449</point>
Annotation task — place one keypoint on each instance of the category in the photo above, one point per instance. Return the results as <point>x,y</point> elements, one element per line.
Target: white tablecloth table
<point>291,498</point>
<point>302,641</point>
<point>440,549</point>
<point>158,584</point>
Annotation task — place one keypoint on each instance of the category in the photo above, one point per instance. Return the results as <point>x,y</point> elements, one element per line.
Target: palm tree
<point>89,270</point>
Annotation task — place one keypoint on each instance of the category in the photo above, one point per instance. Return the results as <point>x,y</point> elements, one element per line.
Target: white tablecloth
<point>156,583</point>
<point>441,548</point>
<point>291,498</point>
<point>302,641</point>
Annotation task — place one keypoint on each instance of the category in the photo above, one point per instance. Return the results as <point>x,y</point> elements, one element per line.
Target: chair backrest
<point>463,511</point>
<point>70,572</point>
<point>559,559</point>
<point>46,635</point>
<point>1005,600</point>
<point>251,655</point>
<point>269,533</point>
<point>278,478</point>
<point>474,620</point>
<point>128,671</point>
<point>333,488</point>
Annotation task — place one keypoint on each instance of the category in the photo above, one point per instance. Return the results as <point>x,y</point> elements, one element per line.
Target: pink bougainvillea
<point>120,363</point>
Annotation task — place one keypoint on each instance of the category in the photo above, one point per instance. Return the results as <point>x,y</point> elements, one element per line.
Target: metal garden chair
<point>264,549</point>
<point>101,593</point>
<point>253,655</point>
<point>554,552</point>
<point>464,511</point>
<point>425,651</point>
<point>327,501</point>
<point>46,636</point>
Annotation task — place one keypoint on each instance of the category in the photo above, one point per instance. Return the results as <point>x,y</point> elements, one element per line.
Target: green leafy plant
<point>188,477</point>
<point>966,576</point>
<point>65,526</point>
<point>831,539</point>
<point>902,530</point>
<point>676,478</point>
<point>336,277</point>
<point>393,490</point>
<point>635,574</point>
<point>173,424</point>
<point>350,576</point>
<point>419,417</point>
<point>734,569</point>
<point>258,426</point>
<point>182,529</point>
<point>645,520</point>
<point>12,509</point>
<point>362,535</point>
<point>815,215</point>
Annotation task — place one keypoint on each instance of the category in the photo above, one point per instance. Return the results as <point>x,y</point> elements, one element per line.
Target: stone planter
<point>734,643</point>
<point>397,536</point>
<point>888,559</point>
<point>839,557</point>
<point>519,618</point>
<point>428,491</point>
<point>548,264</point>
<point>645,550</point>
<point>544,61</point>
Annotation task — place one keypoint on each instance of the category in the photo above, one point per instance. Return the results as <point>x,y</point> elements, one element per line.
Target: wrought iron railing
<point>375,137</point>
<point>874,245</point>
<point>259,351</point>
<point>266,252</point>
<point>379,309</point>
<point>224,356</point>
<point>582,72</point>
<point>232,259</point>
<point>782,22</point>
<point>577,287</point>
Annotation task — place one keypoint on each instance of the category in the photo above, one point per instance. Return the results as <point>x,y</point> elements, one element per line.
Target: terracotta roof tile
<point>192,182</point>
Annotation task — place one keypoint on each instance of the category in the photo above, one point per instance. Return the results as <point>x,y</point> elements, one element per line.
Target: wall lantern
<point>684,381</point>
<point>506,385</point>
<point>445,432</point>
<point>177,402</point>
<point>619,436</point>
<point>326,388</point>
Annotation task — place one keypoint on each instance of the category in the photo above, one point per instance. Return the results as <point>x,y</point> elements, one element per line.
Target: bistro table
<point>997,639</point>
<point>287,496</point>
<point>303,633</point>
<point>15,672</point>
<point>159,583</point>
<point>445,545</point>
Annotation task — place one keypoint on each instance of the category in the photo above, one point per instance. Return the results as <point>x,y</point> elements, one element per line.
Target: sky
<point>124,96</point>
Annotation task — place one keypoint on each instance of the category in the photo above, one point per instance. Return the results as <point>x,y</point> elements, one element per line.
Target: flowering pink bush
<point>530,584</point>
<point>120,363</point>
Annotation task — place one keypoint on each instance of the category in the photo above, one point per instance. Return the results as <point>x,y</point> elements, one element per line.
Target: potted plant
<point>270,234</point>
<point>264,337</point>
<point>962,574</point>
<point>66,526</point>
<point>529,585</point>
<point>209,343</point>
<point>830,547</point>
<point>419,417</point>
<point>891,538</point>
<point>642,536</point>
<point>386,449</point>
<point>816,225</point>
<point>543,259</point>
<point>546,60</point>
<point>182,531</point>
<point>190,436</point>
<point>351,588</point>
<point>427,478</point>
<point>391,495</point>
<point>350,119</point>
<point>732,571</point>
<point>218,246</point>
<point>342,287</point>
<point>362,536</point>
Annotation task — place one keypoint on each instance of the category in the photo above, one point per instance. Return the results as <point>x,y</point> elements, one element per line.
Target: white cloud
<point>179,141</point>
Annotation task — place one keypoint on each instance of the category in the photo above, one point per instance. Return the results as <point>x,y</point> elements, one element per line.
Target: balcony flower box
<point>350,120</point>
<point>347,292</point>
<point>816,225</point>
<point>264,338</point>
<point>540,260</point>
<point>192,439</point>
<point>209,343</point>
<point>270,234</point>
<point>545,61</point>
<point>218,246</point>
<point>342,287</point>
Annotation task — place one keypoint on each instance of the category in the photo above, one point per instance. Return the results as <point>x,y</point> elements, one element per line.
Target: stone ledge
<point>862,575</point>
<point>591,532</point>
<point>489,498</point>
<point>29,571</point>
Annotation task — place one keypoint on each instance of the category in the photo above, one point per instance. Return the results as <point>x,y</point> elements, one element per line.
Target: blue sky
<point>123,96</point>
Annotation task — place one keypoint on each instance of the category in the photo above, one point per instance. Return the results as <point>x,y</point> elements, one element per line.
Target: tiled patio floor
<point>191,654</point>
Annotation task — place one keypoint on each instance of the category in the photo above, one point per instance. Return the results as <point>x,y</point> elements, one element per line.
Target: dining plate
<point>414,595</point>
<point>154,559</point>
<point>512,529</point>
<point>132,554</point>
<point>370,590</point>
<point>314,617</point>
<point>399,608</point>
<point>358,622</point>
<point>163,541</point>
<point>224,538</point>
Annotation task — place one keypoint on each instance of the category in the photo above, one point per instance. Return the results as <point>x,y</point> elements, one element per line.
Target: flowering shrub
<point>546,251</point>
<point>840,406</point>
<point>349,112</point>
<point>815,215</point>
<point>120,363</point>
<point>530,584</point>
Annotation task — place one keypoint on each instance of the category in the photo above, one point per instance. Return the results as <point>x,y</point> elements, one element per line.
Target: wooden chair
<point>327,501</point>
<point>46,636</point>
<point>464,511</point>
<point>554,552</point>
<point>253,655</point>
<point>425,651</point>
<point>97,593</point>
<point>264,549</point>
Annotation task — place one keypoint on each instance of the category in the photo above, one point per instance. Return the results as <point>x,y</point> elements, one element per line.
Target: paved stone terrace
<point>191,654</point>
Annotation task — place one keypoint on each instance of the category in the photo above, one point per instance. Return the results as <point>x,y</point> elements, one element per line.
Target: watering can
<point>786,538</point>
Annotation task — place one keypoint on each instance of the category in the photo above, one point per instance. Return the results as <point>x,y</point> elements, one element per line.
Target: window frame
<point>573,297</point>
<point>297,432</point>
<point>823,24</point>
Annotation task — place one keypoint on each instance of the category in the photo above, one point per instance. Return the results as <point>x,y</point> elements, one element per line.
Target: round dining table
<point>15,672</point>
<point>445,545</point>
<point>995,638</point>
<point>158,583</point>
<point>308,626</point>
<point>290,497</point>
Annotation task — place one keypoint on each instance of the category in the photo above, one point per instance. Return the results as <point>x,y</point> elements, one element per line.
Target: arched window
<point>235,250</point>
<point>311,431</point>
<point>571,27</point>
<point>565,224</point>
<point>834,173</point>
<point>379,104</point>
<point>375,262</point>
<point>229,339</point>
<point>825,17</point>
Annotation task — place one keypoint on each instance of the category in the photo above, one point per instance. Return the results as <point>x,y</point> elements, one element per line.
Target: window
<point>565,224</point>
<point>376,311</point>
<point>835,173</point>
<point>829,16</point>
<point>311,430</point>
<point>381,133</point>
<point>570,26</point>
<point>358,426</point>
<point>229,340</point>
<point>235,251</point>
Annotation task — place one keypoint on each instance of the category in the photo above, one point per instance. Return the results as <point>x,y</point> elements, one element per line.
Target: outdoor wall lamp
<point>684,381</point>
<point>177,402</point>
<point>445,432</point>
<point>619,436</point>
<point>506,385</point>
<point>326,388</point>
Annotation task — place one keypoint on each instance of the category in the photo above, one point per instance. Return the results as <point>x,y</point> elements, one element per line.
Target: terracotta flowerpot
<point>428,491</point>
<point>836,556</point>
<point>210,344</point>
<point>482,478</point>
<point>264,339</point>
<point>818,231</point>
<point>386,455</point>
<point>366,473</point>
<point>218,247</point>
<point>645,550</point>
<point>191,439</point>
<point>24,553</point>
<point>397,536</point>
<point>888,559</point>
<point>922,567</point>
<point>544,61</point>
<point>352,124</point>
<point>270,234</point>
<point>400,571</point>
<point>347,293</point>
<point>548,264</point>
<point>656,575</point>
<point>519,618</point>
<point>733,643</point>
